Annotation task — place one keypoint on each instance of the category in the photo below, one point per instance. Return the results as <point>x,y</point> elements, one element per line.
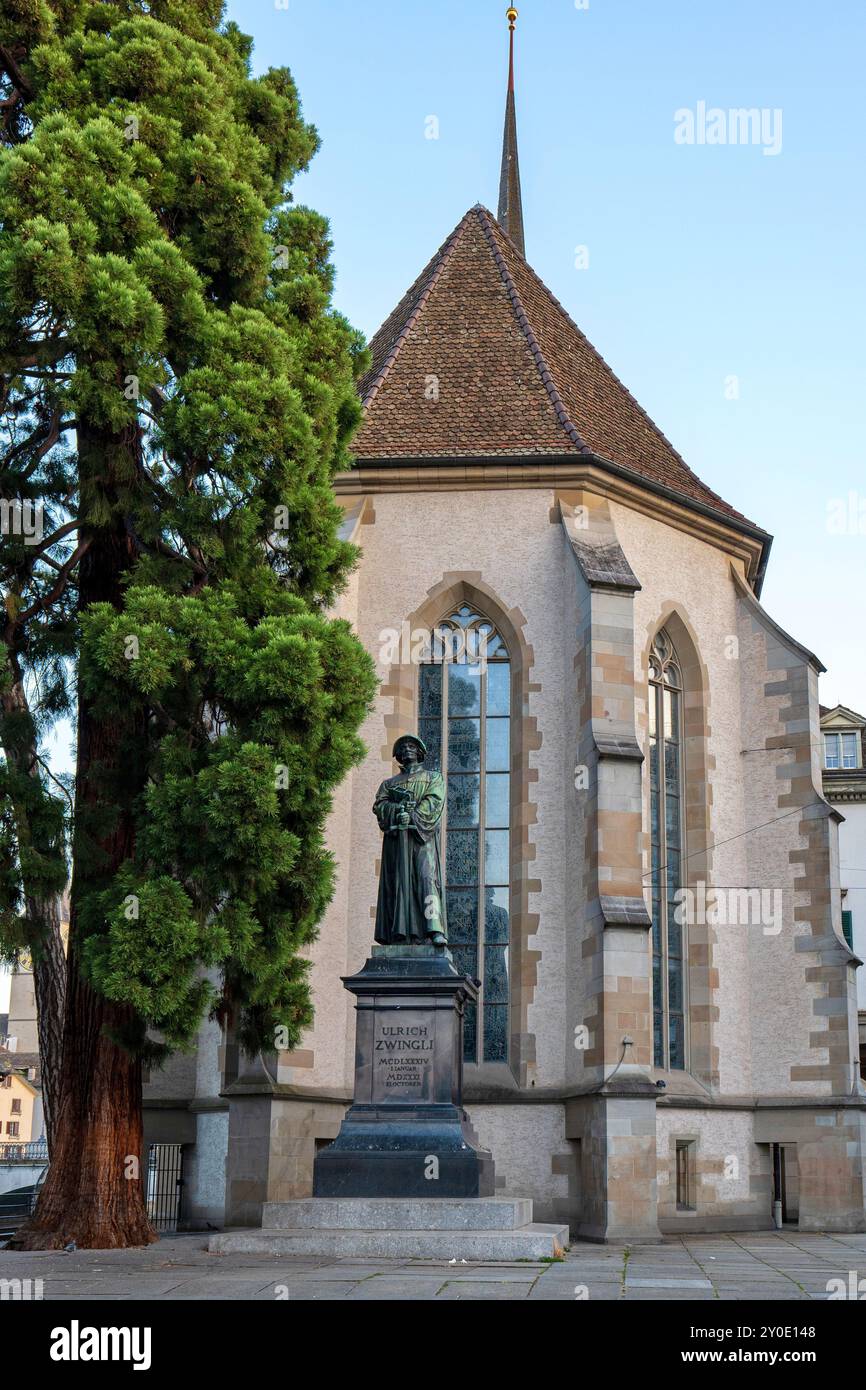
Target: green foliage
<point>172,374</point>
<point>260,712</point>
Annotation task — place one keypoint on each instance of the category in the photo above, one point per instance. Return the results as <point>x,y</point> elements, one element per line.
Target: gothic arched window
<point>465,720</point>
<point>666,823</point>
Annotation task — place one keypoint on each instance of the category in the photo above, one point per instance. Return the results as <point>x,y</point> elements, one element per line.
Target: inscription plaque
<point>402,1059</point>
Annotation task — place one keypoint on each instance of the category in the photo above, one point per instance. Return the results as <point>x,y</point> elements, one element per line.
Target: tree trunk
<point>49,983</point>
<point>94,1193</point>
<point>41,910</point>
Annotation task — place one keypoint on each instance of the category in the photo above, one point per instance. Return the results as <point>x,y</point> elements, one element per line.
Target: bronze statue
<point>408,807</point>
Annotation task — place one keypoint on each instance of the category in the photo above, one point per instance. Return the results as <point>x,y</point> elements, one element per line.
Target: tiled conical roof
<point>480,361</point>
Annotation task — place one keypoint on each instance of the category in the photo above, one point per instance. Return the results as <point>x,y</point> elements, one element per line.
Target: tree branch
<point>15,75</point>
<point>47,769</point>
<point>61,531</point>
<point>43,353</point>
<point>62,580</point>
<point>158,399</point>
<point>47,437</point>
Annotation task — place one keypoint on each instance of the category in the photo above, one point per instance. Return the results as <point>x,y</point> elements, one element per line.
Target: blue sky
<point>706,262</point>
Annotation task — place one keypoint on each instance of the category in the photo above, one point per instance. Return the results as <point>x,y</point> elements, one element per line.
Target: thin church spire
<point>510,202</point>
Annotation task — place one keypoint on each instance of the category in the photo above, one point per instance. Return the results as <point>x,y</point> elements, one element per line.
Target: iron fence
<point>164,1185</point>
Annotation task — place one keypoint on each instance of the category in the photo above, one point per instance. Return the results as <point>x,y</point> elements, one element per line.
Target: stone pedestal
<point>407,1134</point>
<point>492,1228</point>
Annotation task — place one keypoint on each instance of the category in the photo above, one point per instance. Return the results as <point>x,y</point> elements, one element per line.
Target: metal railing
<point>24,1153</point>
<point>164,1185</point>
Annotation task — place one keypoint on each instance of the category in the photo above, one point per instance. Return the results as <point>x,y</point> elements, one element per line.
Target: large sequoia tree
<point>177,394</point>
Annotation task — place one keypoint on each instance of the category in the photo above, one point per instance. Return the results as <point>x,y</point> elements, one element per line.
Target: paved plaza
<point>781,1267</point>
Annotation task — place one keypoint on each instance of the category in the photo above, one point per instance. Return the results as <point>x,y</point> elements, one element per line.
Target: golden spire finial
<point>510,207</point>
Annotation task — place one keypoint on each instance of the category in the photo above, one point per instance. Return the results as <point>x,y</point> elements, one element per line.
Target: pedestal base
<point>491,1229</point>
<point>404,1156</point>
<point>407,1134</point>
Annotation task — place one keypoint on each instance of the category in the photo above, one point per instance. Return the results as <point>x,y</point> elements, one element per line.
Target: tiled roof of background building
<point>22,1062</point>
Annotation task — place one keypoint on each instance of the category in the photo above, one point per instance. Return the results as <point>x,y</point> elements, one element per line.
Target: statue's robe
<point>411,904</point>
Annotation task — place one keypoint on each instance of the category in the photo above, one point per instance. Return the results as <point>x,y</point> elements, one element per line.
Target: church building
<point>641,864</point>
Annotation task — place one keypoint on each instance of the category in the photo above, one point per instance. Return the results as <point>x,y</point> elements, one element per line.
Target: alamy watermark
<point>77,1343</point>
<point>854,1288</point>
<point>730,907</point>
<point>846,516</point>
<point>22,518</point>
<point>740,125</point>
<point>21,1290</point>
<point>408,646</point>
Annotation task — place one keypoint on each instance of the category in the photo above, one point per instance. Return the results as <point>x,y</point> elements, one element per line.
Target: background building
<point>21,1116</point>
<point>843,749</point>
<point>21,1029</point>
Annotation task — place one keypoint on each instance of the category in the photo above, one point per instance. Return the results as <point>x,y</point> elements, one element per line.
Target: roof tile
<point>479,360</point>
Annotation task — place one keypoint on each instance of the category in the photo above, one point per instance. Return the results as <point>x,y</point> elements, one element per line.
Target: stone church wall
<point>732,1174</point>
<point>532,1156</point>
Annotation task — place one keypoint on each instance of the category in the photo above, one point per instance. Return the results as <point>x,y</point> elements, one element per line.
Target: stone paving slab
<point>492,1290</point>
<point>110,1288</point>
<point>88,1298</point>
<point>337,1269</point>
<point>727,1268</point>
<point>233,1289</point>
<point>668,1296</point>
<point>482,1273</point>
<point>310,1293</point>
<point>631,1283</point>
<point>385,1288</point>
<point>601,1292</point>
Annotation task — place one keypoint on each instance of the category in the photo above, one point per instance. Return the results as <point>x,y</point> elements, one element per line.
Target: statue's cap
<point>410,738</point>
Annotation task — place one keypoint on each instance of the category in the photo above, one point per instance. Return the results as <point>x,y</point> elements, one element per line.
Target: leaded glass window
<point>464,717</point>
<point>666,823</point>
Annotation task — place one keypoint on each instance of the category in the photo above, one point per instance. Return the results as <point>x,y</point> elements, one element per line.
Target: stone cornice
<point>850,786</point>
<point>601,561</point>
<point>619,911</point>
<point>740,540</point>
<point>616,745</point>
<point>560,1095</point>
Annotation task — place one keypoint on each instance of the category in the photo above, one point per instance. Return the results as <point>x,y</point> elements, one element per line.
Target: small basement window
<point>685,1175</point>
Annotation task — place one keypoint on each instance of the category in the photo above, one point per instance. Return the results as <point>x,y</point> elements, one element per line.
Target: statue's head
<point>409,750</point>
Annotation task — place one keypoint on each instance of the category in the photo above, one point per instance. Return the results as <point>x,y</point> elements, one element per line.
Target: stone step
<point>532,1242</point>
<point>400,1214</point>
